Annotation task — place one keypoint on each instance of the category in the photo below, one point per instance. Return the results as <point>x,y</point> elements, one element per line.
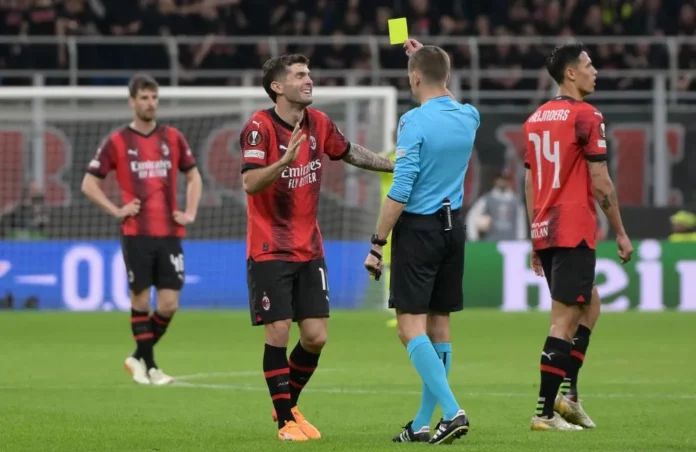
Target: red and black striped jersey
<point>146,168</point>
<point>282,218</point>
<point>562,135</point>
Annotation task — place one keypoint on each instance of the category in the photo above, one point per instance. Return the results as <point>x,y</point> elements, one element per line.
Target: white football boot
<point>136,368</point>
<point>157,377</point>
<point>555,423</point>
<point>572,412</point>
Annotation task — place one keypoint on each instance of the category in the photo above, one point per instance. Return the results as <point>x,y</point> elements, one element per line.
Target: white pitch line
<point>203,376</point>
<point>357,391</point>
<point>349,391</point>
<point>184,381</point>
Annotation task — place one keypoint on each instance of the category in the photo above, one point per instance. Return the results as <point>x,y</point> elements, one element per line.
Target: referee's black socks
<point>554,362</point>
<point>302,365</point>
<point>581,341</point>
<point>277,374</point>
<point>144,337</point>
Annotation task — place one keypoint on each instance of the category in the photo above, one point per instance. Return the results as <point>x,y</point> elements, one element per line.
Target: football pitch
<point>63,386</point>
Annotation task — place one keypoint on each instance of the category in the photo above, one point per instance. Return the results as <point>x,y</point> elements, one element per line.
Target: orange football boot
<point>308,429</point>
<point>291,432</point>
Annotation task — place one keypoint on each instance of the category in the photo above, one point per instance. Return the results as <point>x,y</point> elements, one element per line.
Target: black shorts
<point>427,265</point>
<point>570,273</point>
<point>153,261</point>
<point>283,290</point>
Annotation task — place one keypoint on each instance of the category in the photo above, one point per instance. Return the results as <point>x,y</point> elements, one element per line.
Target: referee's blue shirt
<point>433,147</point>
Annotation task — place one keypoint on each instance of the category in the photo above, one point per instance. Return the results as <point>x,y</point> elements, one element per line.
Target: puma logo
<point>548,355</point>
<point>258,124</point>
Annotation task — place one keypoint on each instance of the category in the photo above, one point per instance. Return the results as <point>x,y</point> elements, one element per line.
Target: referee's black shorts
<point>427,265</point>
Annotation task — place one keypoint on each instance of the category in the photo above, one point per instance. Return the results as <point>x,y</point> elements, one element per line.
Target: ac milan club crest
<point>265,302</point>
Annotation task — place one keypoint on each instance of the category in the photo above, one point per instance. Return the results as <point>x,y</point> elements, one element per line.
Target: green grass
<point>63,387</point>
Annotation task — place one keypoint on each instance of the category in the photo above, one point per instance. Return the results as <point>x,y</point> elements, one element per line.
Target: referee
<point>434,144</point>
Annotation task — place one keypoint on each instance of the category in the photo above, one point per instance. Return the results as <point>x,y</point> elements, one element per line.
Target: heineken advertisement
<point>661,275</point>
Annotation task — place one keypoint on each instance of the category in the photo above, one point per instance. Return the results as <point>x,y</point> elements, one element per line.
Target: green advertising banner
<point>661,275</point>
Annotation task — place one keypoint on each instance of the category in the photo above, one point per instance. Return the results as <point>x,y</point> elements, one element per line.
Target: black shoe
<point>409,436</point>
<point>448,431</point>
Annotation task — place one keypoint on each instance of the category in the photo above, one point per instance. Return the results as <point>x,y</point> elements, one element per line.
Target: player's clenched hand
<point>129,210</point>
<point>536,264</point>
<point>183,218</point>
<point>411,45</point>
<point>625,248</point>
<point>294,145</point>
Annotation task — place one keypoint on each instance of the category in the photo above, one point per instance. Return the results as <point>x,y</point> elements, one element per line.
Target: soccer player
<point>146,157</point>
<point>422,211</point>
<point>566,163</point>
<point>283,152</point>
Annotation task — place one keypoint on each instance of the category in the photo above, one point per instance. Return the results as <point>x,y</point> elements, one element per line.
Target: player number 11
<point>324,282</point>
<point>542,146</point>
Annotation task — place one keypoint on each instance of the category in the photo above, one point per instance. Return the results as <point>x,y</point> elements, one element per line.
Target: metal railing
<point>466,81</point>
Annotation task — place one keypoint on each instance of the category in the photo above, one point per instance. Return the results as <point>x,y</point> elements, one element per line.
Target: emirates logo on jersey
<point>151,169</point>
<point>303,175</point>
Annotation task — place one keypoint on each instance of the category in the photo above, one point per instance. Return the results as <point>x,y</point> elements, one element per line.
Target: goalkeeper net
<point>59,247</point>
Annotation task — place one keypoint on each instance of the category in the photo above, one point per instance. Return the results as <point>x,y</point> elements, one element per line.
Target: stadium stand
<point>429,19</point>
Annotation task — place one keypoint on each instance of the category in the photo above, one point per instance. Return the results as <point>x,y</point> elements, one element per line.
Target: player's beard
<point>146,116</point>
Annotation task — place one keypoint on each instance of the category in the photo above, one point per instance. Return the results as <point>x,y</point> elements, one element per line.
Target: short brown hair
<point>139,82</point>
<point>276,68</point>
<point>432,62</point>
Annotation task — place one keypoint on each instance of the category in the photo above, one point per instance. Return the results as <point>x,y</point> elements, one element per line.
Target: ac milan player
<point>283,149</point>
<point>146,157</point>
<point>566,165</point>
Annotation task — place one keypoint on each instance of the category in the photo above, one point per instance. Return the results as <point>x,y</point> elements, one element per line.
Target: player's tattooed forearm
<point>363,158</point>
<point>608,201</point>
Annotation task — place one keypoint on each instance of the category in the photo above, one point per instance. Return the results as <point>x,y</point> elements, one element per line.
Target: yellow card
<point>398,30</point>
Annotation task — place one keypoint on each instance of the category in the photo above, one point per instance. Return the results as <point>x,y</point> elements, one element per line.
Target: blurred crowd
<point>337,18</point>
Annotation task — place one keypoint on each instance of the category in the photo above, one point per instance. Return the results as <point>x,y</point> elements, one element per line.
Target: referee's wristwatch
<point>377,241</point>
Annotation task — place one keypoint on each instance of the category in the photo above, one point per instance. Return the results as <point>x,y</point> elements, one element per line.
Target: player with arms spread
<point>146,157</point>
<point>283,150</point>
<point>566,163</point>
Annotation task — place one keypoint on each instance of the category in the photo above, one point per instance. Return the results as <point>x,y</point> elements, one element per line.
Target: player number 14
<point>542,147</point>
